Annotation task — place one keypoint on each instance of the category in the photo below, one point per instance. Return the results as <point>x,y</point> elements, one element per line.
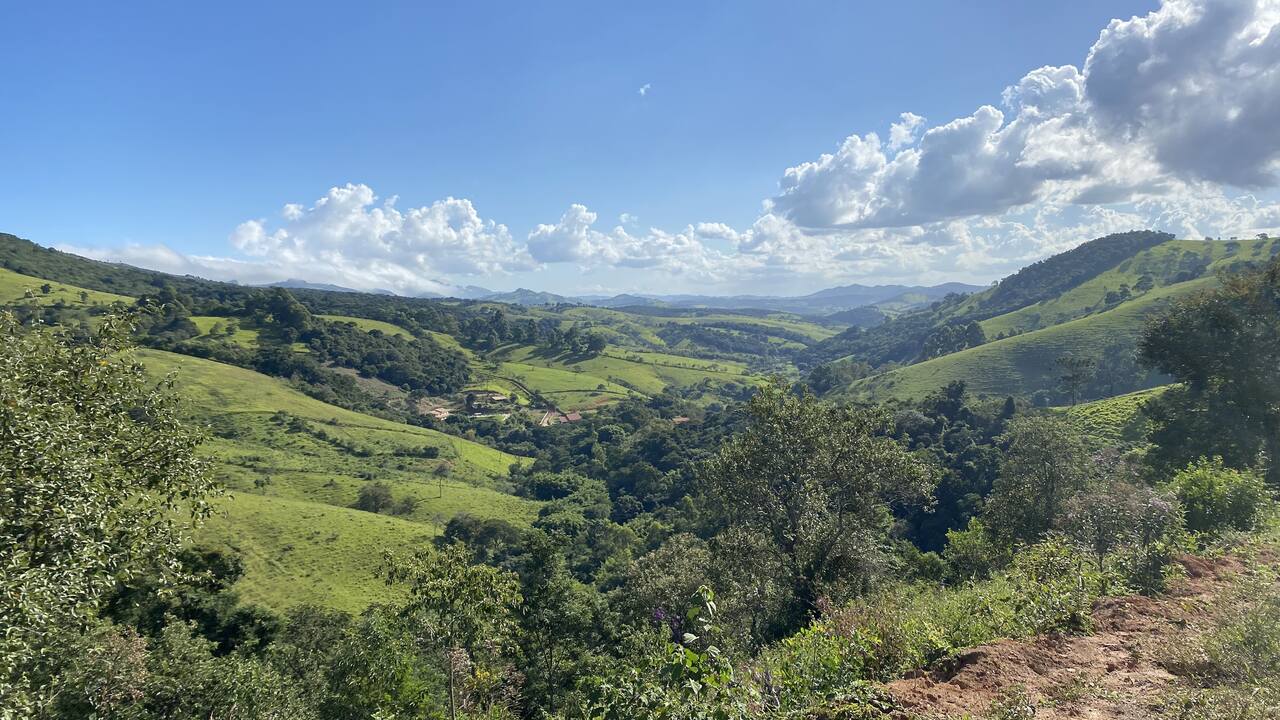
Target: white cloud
<point>1170,111</point>
<point>904,133</point>
<point>1171,120</point>
<point>1198,84</point>
<point>346,238</point>
<point>575,239</point>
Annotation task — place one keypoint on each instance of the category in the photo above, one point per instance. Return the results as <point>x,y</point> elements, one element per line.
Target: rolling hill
<point>294,466</point>
<point>1074,312</point>
<point>1025,363</point>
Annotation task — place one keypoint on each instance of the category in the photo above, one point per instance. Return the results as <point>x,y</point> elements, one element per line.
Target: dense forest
<point>773,554</point>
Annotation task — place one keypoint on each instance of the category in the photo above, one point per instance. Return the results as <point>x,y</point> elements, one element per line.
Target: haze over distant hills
<point>889,298</point>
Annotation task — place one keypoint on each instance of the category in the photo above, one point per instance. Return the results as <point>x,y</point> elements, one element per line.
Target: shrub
<point>374,497</point>
<point>1131,532</point>
<point>1217,498</point>
<point>971,553</point>
<point>1053,588</point>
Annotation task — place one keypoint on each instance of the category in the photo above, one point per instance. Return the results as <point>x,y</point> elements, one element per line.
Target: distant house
<point>439,413</point>
<point>571,417</point>
<point>680,420</point>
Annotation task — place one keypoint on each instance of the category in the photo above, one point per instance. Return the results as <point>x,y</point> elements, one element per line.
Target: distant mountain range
<point>886,298</point>
<point>296,284</point>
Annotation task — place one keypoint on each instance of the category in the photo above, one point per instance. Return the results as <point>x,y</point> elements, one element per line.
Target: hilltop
<point>1090,303</point>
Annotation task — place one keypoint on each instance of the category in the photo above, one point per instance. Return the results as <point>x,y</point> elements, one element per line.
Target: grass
<point>15,287</point>
<point>1163,263</point>
<point>575,382</point>
<point>216,389</point>
<point>1023,364</point>
<point>368,325</point>
<point>300,552</point>
<point>1115,421</point>
<point>245,337</point>
<point>295,476</point>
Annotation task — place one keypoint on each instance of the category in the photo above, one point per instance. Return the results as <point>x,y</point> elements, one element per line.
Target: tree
<point>816,480</point>
<point>1045,464</point>
<point>98,477</point>
<point>1117,369</point>
<point>596,343</point>
<point>374,497</point>
<point>459,610</point>
<point>1075,374</point>
<point>1223,347</point>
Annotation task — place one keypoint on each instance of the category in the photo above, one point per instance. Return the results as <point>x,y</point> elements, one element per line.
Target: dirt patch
<point>1109,675</point>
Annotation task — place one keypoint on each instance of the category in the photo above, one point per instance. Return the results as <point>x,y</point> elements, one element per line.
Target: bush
<point>374,497</point>
<point>971,553</point>
<point>1218,499</point>
<point>1131,532</point>
<point>1054,588</point>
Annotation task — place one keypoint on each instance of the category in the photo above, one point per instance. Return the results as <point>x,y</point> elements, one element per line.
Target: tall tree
<point>1075,373</point>
<point>461,610</point>
<point>98,479</point>
<point>1045,464</point>
<point>816,480</point>
<point>1223,347</point>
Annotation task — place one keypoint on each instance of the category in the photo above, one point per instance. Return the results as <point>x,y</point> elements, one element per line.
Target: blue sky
<point>204,139</point>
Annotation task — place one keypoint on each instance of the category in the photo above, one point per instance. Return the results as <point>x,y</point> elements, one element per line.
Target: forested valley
<point>222,501</point>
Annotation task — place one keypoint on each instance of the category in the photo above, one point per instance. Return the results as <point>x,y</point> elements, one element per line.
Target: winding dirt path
<point>1109,675</point>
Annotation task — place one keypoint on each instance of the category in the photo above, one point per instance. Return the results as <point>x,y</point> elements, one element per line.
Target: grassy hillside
<point>1115,421</point>
<point>576,382</point>
<point>301,552</point>
<point>367,325</point>
<point>1164,265</point>
<point>295,466</point>
<point>15,287</point>
<point>246,337</point>
<point>1023,364</point>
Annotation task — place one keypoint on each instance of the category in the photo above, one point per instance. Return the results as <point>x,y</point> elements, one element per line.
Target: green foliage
<point>1222,346</point>
<point>815,480</point>
<point>116,674</point>
<point>1012,704</point>
<point>1218,499</point>
<point>972,553</point>
<point>1131,532</point>
<point>688,679</point>
<point>1053,588</point>
<point>464,611</point>
<point>98,481</point>
<point>1233,662</point>
<point>1045,464</point>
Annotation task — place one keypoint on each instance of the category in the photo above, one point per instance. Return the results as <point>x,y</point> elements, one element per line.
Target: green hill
<point>1115,421</point>
<point>1023,364</point>
<point>15,287</point>
<point>367,325</point>
<point>295,465</point>
<point>576,382</point>
<point>1165,264</point>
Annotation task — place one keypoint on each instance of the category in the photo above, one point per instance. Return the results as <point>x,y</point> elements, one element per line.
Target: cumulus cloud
<point>1169,113</point>
<point>1169,123</point>
<point>1198,83</point>
<point>575,239</point>
<point>903,133</point>
<point>348,238</point>
<point>1186,94</point>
